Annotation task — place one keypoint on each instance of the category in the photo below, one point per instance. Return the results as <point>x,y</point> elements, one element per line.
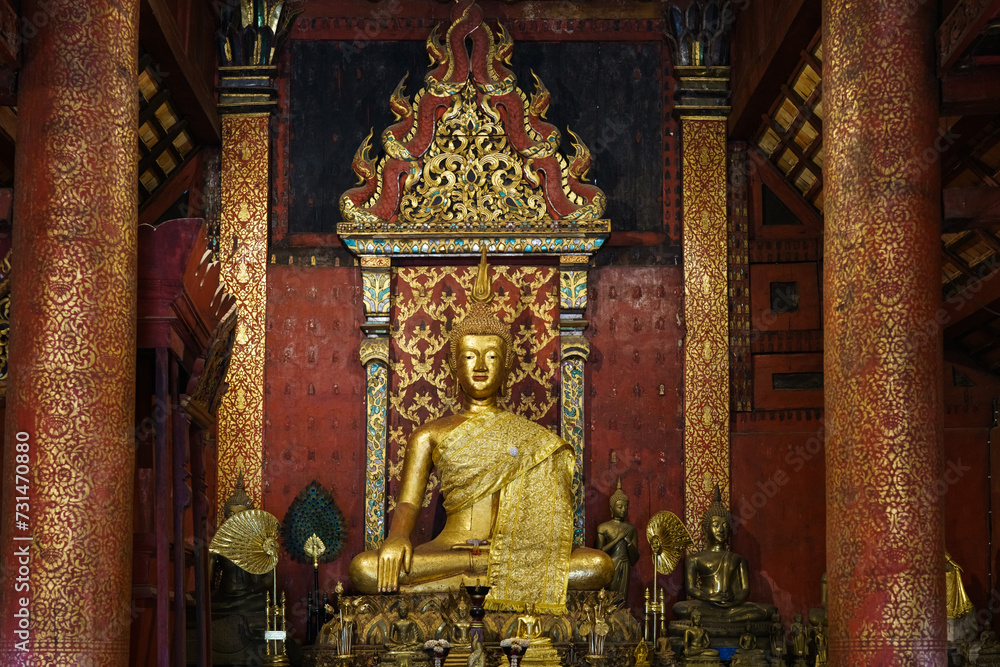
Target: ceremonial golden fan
<point>314,548</point>
<point>667,531</point>
<point>249,539</point>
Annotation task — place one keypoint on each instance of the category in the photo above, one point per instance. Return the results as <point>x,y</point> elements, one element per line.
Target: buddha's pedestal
<point>702,661</point>
<point>752,658</point>
<point>541,653</point>
<point>458,657</point>
<point>724,634</point>
<point>415,658</point>
<point>988,659</point>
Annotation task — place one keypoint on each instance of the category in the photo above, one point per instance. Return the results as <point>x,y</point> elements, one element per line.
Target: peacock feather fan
<point>314,512</point>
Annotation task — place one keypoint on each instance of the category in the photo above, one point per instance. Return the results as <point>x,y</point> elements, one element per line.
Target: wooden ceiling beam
<point>767,40</point>
<point>772,177</point>
<point>973,92</point>
<point>960,29</point>
<point>969,308</point>
<point>984,173</point>
<point>958,142</point>
<point>970,208</point>
<point>170,45</point>
<point>182,179</point>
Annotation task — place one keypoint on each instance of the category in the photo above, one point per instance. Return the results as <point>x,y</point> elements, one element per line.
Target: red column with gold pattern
<point>68,463</point>
<point>883,354</point>
<point>702,104</point>
<point>243,255</point>
<point>706,316</point>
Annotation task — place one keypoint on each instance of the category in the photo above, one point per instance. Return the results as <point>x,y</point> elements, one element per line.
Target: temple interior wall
<point>331,93</point>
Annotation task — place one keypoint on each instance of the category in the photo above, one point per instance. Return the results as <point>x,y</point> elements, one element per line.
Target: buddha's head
<point>404,609</point>
<point>695,618</point>
<point>239,501</point>
<point>619,503</point>
<point>481,354</point>
<point>717,523</point>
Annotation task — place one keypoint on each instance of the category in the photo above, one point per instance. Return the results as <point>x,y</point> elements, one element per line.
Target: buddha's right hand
<point>396,553</point>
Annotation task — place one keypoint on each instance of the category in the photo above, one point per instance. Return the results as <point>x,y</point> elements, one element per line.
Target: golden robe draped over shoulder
<point>532,468</point>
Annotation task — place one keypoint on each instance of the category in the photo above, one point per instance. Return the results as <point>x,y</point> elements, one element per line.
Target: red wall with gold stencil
<point>314,409</point>
<point>635,334</point>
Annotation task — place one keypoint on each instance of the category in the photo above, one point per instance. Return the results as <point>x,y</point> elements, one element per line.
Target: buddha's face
<point>619,509</point>
<point>718,529</point>
<point>481,368</point>
<point>234,509</point>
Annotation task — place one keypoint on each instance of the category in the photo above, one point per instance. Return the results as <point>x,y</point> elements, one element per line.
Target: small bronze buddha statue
<point>478,454</point>
<point>619,539</point>
<point>748,655</point>
<point>404,634</point>
<point>777,634</point>
<point>800,640</point>
<point>696,640</point>
<point>459,624</point>
<point>717,581</point>
<point>238,624</point>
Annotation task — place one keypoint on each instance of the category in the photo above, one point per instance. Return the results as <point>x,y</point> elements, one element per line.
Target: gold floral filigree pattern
<point>882,364</point>
<point>471,173</point>
<point>243,254</point>
<point>706,348</point>
<point>425,303</point>
<point>72,368</point>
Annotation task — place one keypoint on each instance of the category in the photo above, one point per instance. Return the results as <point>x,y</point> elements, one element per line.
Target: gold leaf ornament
<point>250,540</point>
<point>668,539</point>
<point>314,548</point>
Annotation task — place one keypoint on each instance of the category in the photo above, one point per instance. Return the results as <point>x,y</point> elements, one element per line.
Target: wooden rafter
<point>971,208</point>
<point>973,92</point>
<point>960,29</point>
<point>772,177</point>
<point>172,46</point>
<point>765,64</point>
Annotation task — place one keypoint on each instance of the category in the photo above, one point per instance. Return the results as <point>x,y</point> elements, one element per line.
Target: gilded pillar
<point>68,461</point>
<point>243,259</point>
<point>882,362</point>
<point>702,96</point>
<point>574,352</point>
<point>247,97</point>
<point>376,275</point>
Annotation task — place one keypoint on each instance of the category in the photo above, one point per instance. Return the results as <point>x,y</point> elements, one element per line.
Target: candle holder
<point>514,648</point>
<point>477,610</point>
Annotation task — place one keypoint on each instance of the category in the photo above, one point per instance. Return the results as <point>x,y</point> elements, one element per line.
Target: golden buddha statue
<point>404,633</point>
<point>716,580</point>
<point>541,652</point>
<point>506,485</point>
<point>957,601</point>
